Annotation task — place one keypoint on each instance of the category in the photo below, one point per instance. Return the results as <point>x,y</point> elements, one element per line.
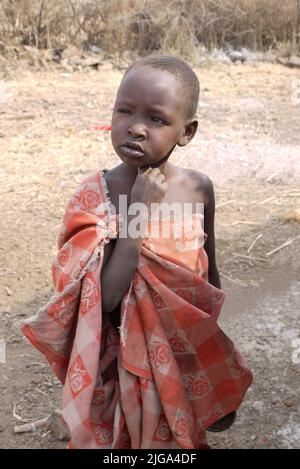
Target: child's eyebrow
<point>153,108</point>
<point>158,109</point>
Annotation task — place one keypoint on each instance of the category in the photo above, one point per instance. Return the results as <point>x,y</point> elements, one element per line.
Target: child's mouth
<point>132,150</point>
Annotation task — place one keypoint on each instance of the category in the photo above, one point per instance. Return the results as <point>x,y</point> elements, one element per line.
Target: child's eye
<point>158,120</point>
<point>124,111</point>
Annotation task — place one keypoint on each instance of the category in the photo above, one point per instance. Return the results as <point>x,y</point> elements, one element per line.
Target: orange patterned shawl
<point>169,373</point>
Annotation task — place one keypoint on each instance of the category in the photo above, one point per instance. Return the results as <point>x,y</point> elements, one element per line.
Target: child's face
<point>149,112</point>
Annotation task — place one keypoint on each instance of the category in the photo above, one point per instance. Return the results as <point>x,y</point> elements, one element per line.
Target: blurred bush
<point>171,26</point>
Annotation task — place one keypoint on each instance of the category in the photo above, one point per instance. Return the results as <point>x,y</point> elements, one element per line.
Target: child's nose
<point>137,130</point>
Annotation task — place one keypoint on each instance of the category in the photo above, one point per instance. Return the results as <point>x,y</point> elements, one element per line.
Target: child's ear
<point>188,133</point>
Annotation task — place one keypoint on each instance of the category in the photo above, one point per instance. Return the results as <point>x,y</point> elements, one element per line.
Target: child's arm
<point>120,263</point>
<point>209,229</point>
<point>119,266</point>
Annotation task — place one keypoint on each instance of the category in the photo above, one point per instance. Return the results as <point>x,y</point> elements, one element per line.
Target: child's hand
<point>150,187</point>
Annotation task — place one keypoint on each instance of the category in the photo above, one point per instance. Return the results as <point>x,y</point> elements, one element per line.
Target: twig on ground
<point>225,203</point>
<point>287,243</point>
<point>240,222</point>
<point>250,257</point>
<point>252,244</point>
<point>53,422</point>
<point>262,202</point>
<point>288,323</point>
<point>42,392</point>
<point>290,194</point>
<point>31,427</point>
<point>238,282</point>
<point>16,416</point>
<point>271,177</point>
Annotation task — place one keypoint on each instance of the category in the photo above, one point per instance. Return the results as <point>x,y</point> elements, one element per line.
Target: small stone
<point>35,381</point>
<point>288,402</point>
<point>8,291</point>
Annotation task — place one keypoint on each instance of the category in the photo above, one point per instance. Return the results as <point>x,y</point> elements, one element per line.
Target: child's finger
<point>156,172</point>
<point>143,170</point>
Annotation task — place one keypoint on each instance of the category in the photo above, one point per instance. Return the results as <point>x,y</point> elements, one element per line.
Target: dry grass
<point>143,26</point>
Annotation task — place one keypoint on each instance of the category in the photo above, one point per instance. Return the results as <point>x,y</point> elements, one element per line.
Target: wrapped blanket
<point>168,372</point>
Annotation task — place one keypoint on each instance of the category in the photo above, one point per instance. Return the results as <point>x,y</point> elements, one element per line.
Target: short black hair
<point>180,70</point>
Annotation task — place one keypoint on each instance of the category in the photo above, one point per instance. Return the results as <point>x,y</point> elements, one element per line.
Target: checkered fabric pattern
<point>168,372</point>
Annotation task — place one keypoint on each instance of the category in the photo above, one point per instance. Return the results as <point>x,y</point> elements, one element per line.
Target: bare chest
<point>182,191</point>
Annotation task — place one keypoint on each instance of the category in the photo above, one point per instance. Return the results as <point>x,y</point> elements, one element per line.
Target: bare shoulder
<point>113,175</point>
<point>199,182</point>
<point>203,180</point>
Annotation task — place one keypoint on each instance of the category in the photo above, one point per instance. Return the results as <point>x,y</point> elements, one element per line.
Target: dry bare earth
<point>248,143</point>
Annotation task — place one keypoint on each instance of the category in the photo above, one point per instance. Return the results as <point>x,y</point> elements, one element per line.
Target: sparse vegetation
<point>144,26</point>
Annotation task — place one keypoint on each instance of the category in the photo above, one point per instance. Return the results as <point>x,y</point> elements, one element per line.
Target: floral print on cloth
<point>168,372</point>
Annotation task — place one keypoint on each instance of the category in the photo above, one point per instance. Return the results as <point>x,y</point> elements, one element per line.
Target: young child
<point>132,328</point>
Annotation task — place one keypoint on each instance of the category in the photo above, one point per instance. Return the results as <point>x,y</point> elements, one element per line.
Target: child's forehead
<point>154,85</point>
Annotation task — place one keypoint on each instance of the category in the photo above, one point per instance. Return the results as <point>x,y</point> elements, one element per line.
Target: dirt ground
<point>249,144</point>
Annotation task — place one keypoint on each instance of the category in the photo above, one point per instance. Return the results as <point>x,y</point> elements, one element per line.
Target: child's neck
<point>165,168</point>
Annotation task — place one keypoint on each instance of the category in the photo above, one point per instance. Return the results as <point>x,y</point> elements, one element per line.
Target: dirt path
<point>248,142</point>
